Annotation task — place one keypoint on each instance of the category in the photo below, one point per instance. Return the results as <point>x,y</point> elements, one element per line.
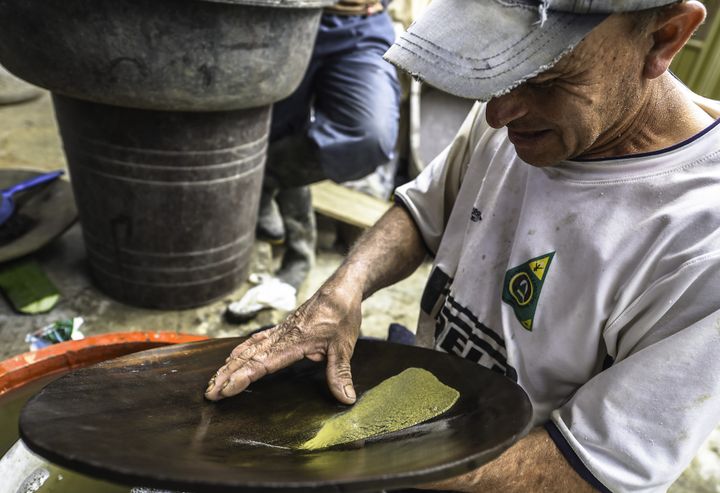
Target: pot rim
<point>24,368</point>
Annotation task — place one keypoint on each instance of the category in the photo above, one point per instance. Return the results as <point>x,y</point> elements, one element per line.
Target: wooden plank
<point>346,205</point>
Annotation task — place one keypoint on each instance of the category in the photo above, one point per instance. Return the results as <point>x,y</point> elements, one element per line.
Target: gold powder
<point>407,399</point>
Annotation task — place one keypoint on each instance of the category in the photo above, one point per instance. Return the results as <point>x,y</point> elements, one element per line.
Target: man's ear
<point>672,29</point>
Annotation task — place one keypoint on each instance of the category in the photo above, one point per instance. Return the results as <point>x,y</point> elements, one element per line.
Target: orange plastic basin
<point>24,375</point>
<point>60,358</point>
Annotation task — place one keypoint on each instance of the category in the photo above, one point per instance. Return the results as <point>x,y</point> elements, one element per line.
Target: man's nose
<point>502,110</point>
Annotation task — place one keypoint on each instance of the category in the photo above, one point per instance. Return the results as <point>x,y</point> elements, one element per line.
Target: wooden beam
<point>346,205</point>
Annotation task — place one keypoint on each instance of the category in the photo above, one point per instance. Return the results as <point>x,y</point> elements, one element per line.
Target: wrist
<point>348,281</point>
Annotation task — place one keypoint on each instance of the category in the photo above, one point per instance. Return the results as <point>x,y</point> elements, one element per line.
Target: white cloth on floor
<point>269,292</point>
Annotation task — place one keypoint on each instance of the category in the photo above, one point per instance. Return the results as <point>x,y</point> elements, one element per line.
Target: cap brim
<point>480,49</point>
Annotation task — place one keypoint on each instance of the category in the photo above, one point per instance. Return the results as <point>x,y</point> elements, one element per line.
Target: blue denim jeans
<point>342,121</point>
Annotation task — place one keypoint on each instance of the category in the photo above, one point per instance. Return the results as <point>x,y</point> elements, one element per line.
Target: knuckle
<point>343,370</point>
<point>241,347</point>
<point>259,336</point>
<point>247,353</point>
<point>295,333</point>
<point>255,370</point>
<point>234,385</point>
<point>344,349</point>
<point>258,359</point>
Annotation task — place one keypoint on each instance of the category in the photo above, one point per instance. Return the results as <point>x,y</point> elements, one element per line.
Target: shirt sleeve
<point>636,425</point>
<point>430,197</point>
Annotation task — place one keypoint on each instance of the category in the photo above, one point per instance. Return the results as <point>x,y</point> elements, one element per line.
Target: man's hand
<point>325,327</point>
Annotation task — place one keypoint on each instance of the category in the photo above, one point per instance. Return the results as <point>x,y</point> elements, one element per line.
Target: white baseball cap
<point>480,49</point>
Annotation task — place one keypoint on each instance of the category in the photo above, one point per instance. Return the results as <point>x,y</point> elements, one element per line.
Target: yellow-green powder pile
<point>406,399</point>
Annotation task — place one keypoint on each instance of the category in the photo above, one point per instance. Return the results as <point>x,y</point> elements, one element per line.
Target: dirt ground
<point>29,139</point>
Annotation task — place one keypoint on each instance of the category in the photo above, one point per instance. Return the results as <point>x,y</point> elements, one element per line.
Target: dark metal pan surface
<point>142,420</point>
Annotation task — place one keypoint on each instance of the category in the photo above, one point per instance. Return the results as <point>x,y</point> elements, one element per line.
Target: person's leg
<point>353,128</point>
<point>290,118</point>
<point>270,225</point>
<point>357,104</point>
<point>296,209</point>
<point>355,116</point>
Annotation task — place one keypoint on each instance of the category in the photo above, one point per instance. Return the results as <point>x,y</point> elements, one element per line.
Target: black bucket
<point>167,200</point>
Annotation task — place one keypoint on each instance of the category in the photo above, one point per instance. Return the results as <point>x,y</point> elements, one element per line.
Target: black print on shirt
<point>476,215</point>
<point>435,291</point>
<point>458,331</point>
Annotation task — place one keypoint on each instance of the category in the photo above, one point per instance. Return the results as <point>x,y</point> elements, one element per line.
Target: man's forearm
<point>388,252</point>
<point>534,463</point>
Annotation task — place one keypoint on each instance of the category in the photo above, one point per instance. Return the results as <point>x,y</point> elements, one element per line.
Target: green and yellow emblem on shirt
<point>522,287</point>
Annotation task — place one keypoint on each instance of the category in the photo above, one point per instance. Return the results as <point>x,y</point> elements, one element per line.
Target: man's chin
<point>537,160</point>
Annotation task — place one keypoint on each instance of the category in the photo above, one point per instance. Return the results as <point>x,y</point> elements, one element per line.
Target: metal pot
<point>185,55</point>
<point>164,107</point>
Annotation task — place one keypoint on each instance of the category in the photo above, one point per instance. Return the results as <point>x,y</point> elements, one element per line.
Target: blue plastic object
<point>7,206</point>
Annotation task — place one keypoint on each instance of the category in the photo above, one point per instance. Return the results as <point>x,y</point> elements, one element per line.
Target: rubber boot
<point>270,226</point>
<point>300,235</point>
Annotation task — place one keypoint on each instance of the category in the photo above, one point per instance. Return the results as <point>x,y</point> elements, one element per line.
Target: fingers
<point>222,376</point>
<point>339,374</point>
<point>258,366</point>
<point>249,342</point>
<point>250,361</point>
<point>315,336</point>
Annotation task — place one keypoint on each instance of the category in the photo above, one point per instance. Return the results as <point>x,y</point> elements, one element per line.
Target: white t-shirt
<point>594,284</point>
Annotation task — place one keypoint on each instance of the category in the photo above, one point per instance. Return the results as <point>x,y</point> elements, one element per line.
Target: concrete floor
<point>29,139</point>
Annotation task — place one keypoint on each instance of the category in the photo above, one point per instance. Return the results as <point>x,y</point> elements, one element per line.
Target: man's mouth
<point>525,138</point>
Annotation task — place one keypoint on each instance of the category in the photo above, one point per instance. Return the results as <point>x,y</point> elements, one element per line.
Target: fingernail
<point>349,391</point>
<point>211,384</point>
<point>224,385</point>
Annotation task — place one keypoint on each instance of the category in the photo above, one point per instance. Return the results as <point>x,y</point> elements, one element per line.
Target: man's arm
<point>534,463</point>
<point>327,326</point>
<point>389,252</point>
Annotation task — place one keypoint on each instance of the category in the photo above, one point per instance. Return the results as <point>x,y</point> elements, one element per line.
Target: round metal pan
<point>142,420</point>
<point>49,209</point>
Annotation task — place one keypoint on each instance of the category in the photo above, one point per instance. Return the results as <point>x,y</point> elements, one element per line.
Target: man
<point>575,227</point>
<point>340,124</point>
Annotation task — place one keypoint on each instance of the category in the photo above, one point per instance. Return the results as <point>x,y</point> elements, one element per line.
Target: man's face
<point>579,107</point>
